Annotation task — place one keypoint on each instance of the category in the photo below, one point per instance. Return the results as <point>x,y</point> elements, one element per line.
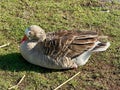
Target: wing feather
<point>69,43</point>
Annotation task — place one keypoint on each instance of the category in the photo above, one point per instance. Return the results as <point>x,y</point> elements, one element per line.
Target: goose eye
<point>29,32</point>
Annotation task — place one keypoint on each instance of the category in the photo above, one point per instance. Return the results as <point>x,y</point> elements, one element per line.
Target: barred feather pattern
<point>68,43</point>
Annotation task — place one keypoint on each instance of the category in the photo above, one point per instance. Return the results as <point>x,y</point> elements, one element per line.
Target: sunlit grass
<point>101,72</point>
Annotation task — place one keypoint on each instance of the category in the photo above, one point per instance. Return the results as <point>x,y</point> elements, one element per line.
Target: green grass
<point>102,70</point>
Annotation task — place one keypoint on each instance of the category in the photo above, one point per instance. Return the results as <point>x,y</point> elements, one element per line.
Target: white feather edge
<point>102,49</point>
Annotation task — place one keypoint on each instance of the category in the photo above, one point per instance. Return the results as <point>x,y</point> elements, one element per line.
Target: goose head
<point>35,33</point>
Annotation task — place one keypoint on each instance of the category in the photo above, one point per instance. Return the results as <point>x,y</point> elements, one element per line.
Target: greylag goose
<point>63,49</point>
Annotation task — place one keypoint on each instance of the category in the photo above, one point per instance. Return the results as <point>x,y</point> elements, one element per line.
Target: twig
<point>15,86</point>
<point>12,87</point>
<point>4,45</point>
<point>21,80</point>
<point>67,81</point>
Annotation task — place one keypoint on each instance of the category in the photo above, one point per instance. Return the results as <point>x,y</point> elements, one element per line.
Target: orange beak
<point>24,39</point>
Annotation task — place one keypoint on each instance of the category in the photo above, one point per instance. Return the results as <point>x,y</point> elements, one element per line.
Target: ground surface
<point>102,72</point>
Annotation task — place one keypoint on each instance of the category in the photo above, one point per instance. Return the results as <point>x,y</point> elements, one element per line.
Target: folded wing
<point>69,44</point>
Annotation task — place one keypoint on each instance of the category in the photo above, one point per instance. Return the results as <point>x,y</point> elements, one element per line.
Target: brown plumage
<point>60,50</point>
<point>69,43</point>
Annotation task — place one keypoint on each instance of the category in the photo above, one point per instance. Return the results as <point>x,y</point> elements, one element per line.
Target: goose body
<point>59,50</point>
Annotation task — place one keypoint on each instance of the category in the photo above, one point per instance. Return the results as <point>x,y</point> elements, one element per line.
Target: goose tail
<point>100,46</point>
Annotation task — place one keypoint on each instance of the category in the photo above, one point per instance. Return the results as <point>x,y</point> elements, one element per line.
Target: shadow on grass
<point>15,62</point>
